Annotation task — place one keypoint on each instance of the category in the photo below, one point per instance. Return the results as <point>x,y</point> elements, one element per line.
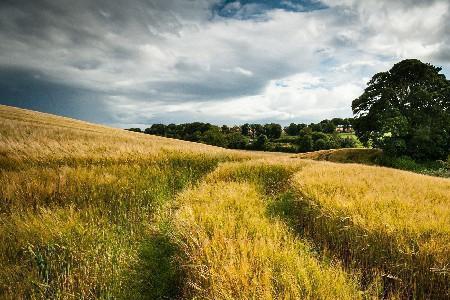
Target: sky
<point>138,62</point>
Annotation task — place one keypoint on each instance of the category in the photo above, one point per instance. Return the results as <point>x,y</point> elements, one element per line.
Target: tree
<point>193,131</point>
<point>320,144</point>
<point>337,121</point>
<point>334,141</point>
<point>406,111</point>
<point>156,129</point>
<point>245,129</point>
<point>225,129</point>
<point>214,136</point>
<point>256,130</point>
<point>272,130</point>
<point>316,135</point>
<point>172,130</point>
<point>305,141</point>
<point>328,126</point>
<point>321,140</point>
<point>301,126</point>
<point>260,143</point>
<point>292,129</point>
<point>134,129</point>
<point>236,140</point>
<point>316,127</point>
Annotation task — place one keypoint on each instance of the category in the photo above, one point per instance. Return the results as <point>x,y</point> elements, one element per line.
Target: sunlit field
<point>392,221</point>
<point>91,212</point>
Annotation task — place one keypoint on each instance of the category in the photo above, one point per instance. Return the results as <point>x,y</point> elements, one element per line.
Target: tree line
<point>267,137</point>
<point>404,111</point>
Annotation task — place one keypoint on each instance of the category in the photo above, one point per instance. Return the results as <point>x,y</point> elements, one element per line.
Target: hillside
<point>356,155</point>
<point>92,212</point>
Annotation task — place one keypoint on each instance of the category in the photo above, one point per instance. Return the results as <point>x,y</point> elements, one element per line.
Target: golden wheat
<point>393,220</point>
<point>234,251</point>
<point>90,212</point>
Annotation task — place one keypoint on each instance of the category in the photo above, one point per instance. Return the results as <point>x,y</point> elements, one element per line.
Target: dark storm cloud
<point>69,40</point>
<point>65,41</point>
<point>29,89</point>
<point>64,38</point>
<point>132,62</point>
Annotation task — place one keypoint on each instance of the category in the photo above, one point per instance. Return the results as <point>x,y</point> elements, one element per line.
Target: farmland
<point>90,212</point>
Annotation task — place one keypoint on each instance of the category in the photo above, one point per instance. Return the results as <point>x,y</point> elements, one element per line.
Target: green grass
<point>376,157</point>
<point>75,231</point>
<point>433,168</point>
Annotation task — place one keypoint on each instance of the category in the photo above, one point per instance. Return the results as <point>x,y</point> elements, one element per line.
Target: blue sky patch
<point>257,9</point>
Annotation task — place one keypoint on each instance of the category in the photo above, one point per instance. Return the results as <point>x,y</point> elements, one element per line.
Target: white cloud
<point>171,58</point>
<point>294,98</point>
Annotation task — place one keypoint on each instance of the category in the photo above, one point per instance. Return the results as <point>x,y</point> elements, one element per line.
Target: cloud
<point>31,90</point>
<point>177,61</point>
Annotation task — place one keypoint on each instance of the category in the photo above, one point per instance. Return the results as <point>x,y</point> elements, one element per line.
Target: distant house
<point>344,128</point>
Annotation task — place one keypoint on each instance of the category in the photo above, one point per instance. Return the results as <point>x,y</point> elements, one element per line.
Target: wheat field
<point>91,212</point>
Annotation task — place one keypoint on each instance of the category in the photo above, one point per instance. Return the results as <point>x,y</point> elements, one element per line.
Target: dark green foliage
<point>334,141</point>
<point>301,126</point>
<point>320,144</point>
<point>272,130</point>
<point>278,147</point>
<point>292,129</point>
<point>338,121</point>
<point>134,129</point>
<point>269,137</point>
<point>260,142</point>
<point>437,168</point>
<point>328,126</point>
<point>319,136</point>
<point>245,129</point>
<point>305,141</point>
<point>158,275</point>
<point>347,143</point>
<point>406,111</point>
<point>256,130</point>
<point>194,131</point>
<point>286,139</point>
<point>156,129</point>
<point>316,127</point>
<point>225,129</point>
<point>214,136</point>
<point>323,141</point>
<point>235,140</point>
<point>171,130</point>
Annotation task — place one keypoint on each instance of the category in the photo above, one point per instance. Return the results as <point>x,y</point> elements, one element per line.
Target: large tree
<point>273,130</point>
<point>406,111</point>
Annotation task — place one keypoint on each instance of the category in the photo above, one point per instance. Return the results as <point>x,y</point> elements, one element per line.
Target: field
<point>91,212</point>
